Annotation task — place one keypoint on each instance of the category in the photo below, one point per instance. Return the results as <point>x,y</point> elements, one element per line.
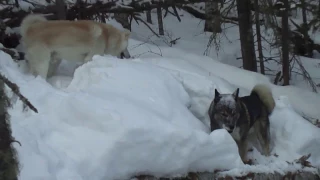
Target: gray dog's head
<point>226,110</point>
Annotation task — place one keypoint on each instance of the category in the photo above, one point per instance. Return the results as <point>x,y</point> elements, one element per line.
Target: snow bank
<point>116,119</point>
<point>302,101</point>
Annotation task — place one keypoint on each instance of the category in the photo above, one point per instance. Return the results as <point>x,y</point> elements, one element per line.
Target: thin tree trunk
<point>148,14</point>
<point>160,22</point>
<point>212,22</point>
<point>246,35</point>
<point>309,52</point>
<point>258,31</point>
<point>285,44</point>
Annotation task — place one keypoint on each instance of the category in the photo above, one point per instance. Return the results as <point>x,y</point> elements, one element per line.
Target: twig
<point>15,141</point>
<point>176,13</point>
<point>137,18</point>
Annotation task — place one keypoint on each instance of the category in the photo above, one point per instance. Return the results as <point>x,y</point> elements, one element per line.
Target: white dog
<point>48,42</point>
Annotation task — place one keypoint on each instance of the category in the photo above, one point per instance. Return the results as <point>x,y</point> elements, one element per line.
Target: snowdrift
<point>118,118</point>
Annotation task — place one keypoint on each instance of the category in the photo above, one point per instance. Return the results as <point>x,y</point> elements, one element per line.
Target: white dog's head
<point>125,34</point>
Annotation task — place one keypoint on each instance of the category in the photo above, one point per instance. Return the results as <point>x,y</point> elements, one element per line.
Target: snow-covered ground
<point>115,118</point>
<point>118,118</point>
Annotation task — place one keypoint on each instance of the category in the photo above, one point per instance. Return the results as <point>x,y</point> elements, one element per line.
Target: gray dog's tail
<point>28,21</point>
<point>265,96</point>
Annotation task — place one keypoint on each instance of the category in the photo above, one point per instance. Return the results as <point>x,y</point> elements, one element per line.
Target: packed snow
<point>117,118</point>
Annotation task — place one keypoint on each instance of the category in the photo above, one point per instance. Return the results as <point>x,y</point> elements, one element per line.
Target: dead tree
<point>160,22</point>
<point>212,22</point>
<point>246,35</point>
<point>285,43</point>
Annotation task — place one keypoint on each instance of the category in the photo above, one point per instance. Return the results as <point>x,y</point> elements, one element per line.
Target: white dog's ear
<point>126,34</point>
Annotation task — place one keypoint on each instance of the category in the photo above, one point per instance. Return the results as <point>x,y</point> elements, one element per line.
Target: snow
<point>114,118</point>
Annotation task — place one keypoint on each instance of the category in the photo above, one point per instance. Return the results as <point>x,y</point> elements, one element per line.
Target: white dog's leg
<point>39,60</point>
<point>88,57</point>
<point>54,64</point>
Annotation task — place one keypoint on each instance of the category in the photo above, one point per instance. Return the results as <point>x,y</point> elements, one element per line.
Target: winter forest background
<point>278,39</point>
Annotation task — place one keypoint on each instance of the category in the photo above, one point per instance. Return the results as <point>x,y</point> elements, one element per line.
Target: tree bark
<point>258,32</point>
<point>285,44</point>
<point>213,22</point>
<point>246,35</point>
<point>160,22</point>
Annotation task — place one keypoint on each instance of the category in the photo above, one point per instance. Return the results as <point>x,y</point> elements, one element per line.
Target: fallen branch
<point>304,161</point>
<point>16,90</point>
<point>174,41</point>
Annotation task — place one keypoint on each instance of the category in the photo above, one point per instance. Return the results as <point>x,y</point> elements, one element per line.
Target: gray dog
<point>239,115</point>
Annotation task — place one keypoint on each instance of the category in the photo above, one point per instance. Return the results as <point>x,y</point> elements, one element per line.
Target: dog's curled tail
<point>28,21</point>
<point>265,96</point>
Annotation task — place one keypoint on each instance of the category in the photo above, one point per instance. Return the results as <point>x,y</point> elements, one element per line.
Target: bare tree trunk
<point>258,31</point>
<point>285,44</point>
<point>160,22</point>
<point>61,9</point>
<point>212,23</point>
<point>148,14</point>
<point>246,35</point>
<point>309,52</point>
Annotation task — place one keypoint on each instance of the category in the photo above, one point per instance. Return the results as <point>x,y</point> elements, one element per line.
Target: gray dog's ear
<point>216,93</point>
<point>236,94</point>
<point>216,96</point>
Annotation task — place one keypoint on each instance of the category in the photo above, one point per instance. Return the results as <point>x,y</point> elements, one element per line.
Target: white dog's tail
<point>265,95</point>
<point>29,21</point>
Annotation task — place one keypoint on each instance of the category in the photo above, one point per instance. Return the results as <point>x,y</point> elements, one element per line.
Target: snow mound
<point>116,119</point>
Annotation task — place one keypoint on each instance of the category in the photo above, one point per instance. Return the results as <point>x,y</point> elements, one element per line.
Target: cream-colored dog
<point>46,42</point>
